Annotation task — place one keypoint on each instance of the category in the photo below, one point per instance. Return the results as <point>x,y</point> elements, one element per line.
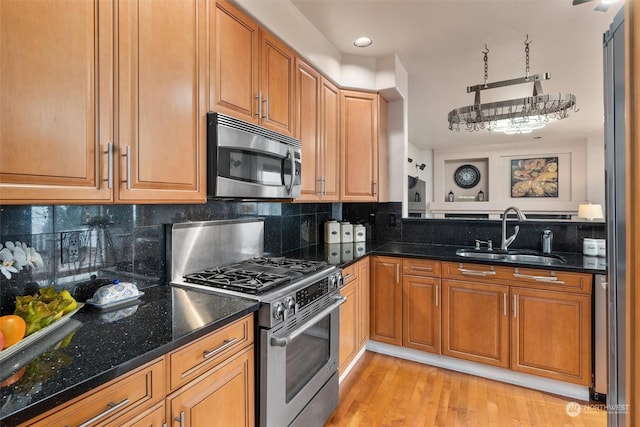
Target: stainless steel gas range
<point>298,319</point>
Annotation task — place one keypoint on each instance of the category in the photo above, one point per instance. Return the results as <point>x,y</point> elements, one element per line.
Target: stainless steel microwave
<point>248,161</point>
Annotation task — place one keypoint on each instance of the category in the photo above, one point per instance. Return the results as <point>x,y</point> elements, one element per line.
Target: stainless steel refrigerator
<point>614,98</point>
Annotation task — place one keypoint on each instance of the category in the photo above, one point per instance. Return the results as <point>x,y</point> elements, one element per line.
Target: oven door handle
<point>282,342</point>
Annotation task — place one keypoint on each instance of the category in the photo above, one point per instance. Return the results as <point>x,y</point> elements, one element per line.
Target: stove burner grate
<point>300,265</point>
<point>238,279</point>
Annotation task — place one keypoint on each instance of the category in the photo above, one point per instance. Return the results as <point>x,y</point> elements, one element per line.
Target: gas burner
<point>238,279</point>
<point>301,265</point>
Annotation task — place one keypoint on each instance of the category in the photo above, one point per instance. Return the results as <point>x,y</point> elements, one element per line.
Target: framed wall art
<point>534,177</point>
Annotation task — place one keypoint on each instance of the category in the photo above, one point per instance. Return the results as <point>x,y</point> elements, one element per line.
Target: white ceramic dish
<point>114,304</point>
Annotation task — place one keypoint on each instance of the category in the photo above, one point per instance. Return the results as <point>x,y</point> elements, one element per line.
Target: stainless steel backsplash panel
<point>196,246</point>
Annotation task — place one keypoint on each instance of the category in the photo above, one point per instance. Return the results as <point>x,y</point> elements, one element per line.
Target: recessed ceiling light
<point>362,42</point>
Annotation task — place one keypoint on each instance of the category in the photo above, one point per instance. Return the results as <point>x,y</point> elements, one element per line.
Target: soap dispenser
<point>547,241</point>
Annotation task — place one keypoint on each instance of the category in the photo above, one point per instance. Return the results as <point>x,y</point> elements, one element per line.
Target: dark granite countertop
<point>95,346</point>
<point>343,254</point>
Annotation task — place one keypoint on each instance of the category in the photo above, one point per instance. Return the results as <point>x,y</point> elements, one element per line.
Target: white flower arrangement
<point>16,256</point>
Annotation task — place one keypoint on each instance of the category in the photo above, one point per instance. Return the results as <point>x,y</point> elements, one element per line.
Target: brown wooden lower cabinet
<point>207,391</point>
<point>421,313</point>
<point>551,334</point>
<point>223,397</point>
<point>386,299</point>
<point>475,322</point>
<point>354,313</point>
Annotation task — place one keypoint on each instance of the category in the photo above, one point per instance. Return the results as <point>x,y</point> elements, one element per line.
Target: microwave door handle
<point>291,155</point>
<point>284,341</point>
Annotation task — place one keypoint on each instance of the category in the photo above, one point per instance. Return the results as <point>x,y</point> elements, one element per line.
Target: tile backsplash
<point>95,244</point>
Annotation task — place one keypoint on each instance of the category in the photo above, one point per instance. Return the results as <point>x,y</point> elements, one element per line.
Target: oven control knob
<point>332,282</point>
<point>290,304</point>
<point>278,311</point>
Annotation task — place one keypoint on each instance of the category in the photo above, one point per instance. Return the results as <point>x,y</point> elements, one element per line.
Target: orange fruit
<point>13,328</point>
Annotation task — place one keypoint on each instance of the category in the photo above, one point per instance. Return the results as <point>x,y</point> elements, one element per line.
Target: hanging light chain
<point>486,64</point>
<point>526,51</point>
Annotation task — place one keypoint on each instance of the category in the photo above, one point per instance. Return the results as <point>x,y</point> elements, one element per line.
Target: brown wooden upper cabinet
<point>252,77</point>
<point>363,133</point>
<point>102,107</point>
<point>317,127</point>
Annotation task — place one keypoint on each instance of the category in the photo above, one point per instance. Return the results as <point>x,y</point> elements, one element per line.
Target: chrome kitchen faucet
<point>506,241</point>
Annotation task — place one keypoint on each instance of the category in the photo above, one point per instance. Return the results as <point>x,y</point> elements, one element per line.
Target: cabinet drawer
<point>198,357</point>
<point>349,274</point>
<point>475,272</point>
<point>421,267</point>
<point>520,276</point>
<point>140,388</point>
<point>553,280</point>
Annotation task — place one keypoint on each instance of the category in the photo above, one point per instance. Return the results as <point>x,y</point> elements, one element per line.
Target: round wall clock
<point>467,176</point>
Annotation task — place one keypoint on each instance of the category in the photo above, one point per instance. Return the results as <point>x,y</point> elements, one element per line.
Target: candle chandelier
<point>513,116</point>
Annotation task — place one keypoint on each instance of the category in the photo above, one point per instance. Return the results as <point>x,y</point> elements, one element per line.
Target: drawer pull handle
<point>437,296</point>
<point>476,272</point>
<point>548,279</point>
<point>180,418</point>
<point>225,344</point>
<point>348,277</point>
<point>413,267</point>
<point>113,407</point>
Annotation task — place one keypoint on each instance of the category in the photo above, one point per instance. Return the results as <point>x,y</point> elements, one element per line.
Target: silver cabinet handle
<point>109,165</point>
<point>375,188</point>
<point>266,108</point>
<point>113,407</point>
<point>397,273</point>
<point>225,344</point>
<point>421,268</point>
<point>548,279</point>
<point>504,303</point>
<point>180,418</point>
<point>476,272</point>
<point>437,296</point>
<point>324,186</point>
<point>347,277</point>
<point>284,341</point>
<point>259,98</point>
<point>515,305</point>
<point>128,155</point>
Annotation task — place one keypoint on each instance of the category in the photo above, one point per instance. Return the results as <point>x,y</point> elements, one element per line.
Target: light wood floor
<point>386,391</point>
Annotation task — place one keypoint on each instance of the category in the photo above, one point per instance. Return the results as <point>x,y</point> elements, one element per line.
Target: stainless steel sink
<point>512,256</point>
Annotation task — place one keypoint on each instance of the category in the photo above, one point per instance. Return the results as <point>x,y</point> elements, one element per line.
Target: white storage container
<point>346,232</point>
<point>331,232</point>
<point>359,233</point>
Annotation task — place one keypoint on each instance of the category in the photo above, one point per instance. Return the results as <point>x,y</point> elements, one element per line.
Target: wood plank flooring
<point>386,391</point>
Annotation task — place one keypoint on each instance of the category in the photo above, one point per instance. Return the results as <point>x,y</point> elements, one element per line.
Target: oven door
<point>297,360</point>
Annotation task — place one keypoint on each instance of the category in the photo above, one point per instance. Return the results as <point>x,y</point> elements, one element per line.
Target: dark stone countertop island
<point>96,346</point>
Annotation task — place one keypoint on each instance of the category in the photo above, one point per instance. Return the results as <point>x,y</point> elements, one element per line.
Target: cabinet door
<point>161,76</point>
<point>359,146</point>
<point>421,313</point>
<point>363,302</point>
<point>475,322</point>
<point>386,299</point>
<point>330,140</point>
<point>277,69</point>
<point>383,150</point>
<point>234,54</point>
<point>551,334</point>
<point>56,102</point>
<point>308,129</point>
<point>348,325</point>
<point>224,397</point>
